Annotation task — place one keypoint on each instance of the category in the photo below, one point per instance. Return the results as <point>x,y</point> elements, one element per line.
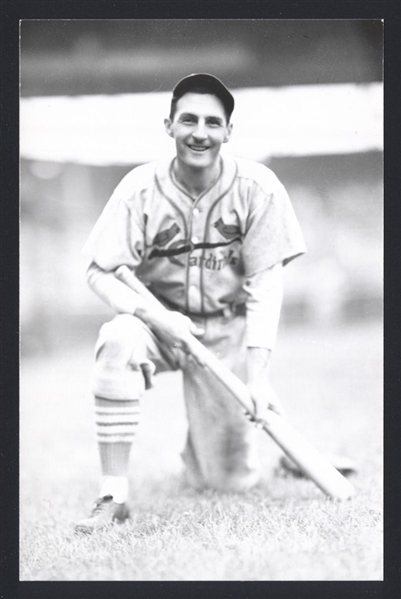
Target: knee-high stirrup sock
<point>116,422</point>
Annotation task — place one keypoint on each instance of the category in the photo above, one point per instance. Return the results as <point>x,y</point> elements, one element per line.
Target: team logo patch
<point>227,231</point>
<point>166,235</point>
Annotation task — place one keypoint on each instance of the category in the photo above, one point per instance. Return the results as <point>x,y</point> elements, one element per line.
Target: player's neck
<point>195,180</point>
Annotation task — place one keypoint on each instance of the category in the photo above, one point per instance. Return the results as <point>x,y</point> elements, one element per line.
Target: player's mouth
<point>199,149</point>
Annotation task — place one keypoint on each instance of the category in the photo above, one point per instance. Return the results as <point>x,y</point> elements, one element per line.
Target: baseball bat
<point>295,446</point>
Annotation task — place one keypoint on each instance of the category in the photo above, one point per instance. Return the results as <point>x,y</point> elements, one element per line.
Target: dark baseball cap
<point>207,82</point>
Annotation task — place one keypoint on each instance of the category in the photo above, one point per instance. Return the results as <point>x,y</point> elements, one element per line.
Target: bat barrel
<point>311,462</point>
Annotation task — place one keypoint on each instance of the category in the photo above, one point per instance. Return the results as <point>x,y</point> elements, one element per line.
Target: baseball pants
<point>221,447</point>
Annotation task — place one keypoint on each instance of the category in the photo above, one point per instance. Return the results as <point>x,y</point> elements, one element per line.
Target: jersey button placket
<point>194,299</point>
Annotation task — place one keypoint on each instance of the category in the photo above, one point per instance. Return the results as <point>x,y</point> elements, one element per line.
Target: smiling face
<point>199,127</point>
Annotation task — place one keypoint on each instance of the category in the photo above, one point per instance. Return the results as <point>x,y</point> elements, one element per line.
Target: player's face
<point>199,127</point>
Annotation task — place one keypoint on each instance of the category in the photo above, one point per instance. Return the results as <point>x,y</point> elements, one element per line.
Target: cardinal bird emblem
<point>228,231</point>
<point>167,235</point>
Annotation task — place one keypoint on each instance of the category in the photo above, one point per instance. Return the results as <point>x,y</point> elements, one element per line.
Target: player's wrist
<point>258,363</point>
<point>259,356</point>
<point>148,315</point>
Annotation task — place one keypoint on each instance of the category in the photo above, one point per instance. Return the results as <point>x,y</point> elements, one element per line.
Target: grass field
<point>286,529</point>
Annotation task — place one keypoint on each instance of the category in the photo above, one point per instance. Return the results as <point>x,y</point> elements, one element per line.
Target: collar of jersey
<point>169,185</point>
<point>174,179</point>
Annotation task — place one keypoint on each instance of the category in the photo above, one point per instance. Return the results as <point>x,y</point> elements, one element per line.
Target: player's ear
<point>167,126</point>
<point>229,129</point>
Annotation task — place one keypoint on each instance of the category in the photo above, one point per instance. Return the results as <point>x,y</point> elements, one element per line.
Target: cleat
<point>344,465</point>
<point>104,512</point>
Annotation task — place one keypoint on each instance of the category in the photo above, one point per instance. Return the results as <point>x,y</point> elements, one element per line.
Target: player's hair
<point>198,89</point>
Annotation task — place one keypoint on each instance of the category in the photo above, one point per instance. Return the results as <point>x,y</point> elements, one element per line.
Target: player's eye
<point>187,120</point>
<point>214,123</point>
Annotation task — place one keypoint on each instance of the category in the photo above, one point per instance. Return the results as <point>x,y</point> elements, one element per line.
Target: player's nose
<point>200,132</point>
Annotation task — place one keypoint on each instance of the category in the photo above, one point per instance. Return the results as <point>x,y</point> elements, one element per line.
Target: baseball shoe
<point>344,465</point>
<point>104,512</point>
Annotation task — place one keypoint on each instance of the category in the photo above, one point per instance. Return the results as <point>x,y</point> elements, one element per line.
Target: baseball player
<point>209,237</point>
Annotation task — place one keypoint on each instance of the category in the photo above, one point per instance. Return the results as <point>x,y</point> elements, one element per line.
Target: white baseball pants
<point>221,449</point>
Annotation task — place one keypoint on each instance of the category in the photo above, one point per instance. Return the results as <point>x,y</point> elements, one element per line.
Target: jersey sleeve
<point>273,234</point>
<point>265,294</point>
<point>273,238</point>
<point>118,236</point>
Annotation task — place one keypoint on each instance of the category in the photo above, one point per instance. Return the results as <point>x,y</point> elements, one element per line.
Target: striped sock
<point>116,422</point>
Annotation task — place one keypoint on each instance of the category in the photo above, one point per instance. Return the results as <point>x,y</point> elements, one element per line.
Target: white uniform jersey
<point>198,253</point>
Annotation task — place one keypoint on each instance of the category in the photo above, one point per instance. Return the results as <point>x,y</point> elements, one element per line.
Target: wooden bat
<point>309,460</point>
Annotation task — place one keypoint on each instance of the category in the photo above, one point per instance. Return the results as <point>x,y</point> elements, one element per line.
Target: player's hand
<point>263,398</point>
<point>261,391</point>
<point>176,330</point>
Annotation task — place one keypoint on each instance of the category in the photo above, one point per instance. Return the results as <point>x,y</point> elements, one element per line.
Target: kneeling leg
<point>124,347</point>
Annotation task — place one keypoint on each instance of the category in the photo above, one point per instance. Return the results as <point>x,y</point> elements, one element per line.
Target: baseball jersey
<point>199,253</point>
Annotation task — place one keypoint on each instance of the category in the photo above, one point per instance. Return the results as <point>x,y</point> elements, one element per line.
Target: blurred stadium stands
<point>109,57</point>
<point>325,146</point>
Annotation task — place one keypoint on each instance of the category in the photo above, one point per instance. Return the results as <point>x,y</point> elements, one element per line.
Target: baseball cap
<point>208,82</point>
